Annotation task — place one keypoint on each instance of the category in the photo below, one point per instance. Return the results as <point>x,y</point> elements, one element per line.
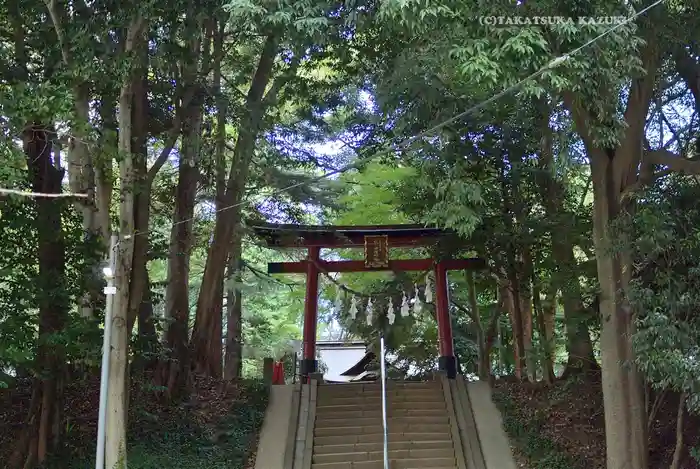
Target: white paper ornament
<point>417,305</point>
<point>370,312</point>
<point>353,307</point>
<point>405,309</point>
<point>390,314</point>
<point>428,290</point>
<point>338,300</point>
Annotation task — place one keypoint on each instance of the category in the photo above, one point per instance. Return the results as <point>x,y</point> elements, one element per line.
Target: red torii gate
<point>377,241</point>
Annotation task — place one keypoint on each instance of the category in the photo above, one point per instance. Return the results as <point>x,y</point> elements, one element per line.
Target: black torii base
<point>448,365</point>
<point>308,366</point>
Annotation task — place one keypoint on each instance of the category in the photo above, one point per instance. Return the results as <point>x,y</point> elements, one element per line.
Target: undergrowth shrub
<point>175,439</point>
<point>527,435</point>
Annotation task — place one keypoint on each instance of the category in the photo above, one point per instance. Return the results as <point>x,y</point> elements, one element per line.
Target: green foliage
<point>664,241</point>
<point>20,295</point>
<point>695,453</point>
<point>372,195</point>
<point>272,308</point>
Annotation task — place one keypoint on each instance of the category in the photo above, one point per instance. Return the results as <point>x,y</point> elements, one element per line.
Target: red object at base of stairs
<point>278,373</point>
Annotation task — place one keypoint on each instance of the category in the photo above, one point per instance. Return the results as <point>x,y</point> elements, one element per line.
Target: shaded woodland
<point>566,155</point>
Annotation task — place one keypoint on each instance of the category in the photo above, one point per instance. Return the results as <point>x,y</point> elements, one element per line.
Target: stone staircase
<point>348,431</point>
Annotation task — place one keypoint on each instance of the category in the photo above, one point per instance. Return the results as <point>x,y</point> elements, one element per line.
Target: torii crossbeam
<point>376,241</point>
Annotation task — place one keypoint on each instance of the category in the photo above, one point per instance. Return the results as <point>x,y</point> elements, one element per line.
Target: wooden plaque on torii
<point>376,251</point>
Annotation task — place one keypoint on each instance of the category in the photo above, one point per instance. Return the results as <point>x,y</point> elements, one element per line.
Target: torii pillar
<point>309,364</point>
<point>446,360</point>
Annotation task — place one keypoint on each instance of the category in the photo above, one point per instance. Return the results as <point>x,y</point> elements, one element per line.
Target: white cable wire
<point>44,195</point>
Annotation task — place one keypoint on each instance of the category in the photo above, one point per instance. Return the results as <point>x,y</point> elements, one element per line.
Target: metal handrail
<point>384,419</point>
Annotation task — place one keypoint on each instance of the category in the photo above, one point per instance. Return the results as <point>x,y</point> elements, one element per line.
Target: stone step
<point>325,422</point>
<point>440,453</point>
<point>400,396</point>
<point>378,385</point>
<point>377,400</point>
<point>412,437</point>
<point>377,406</point>
<point>378,429</point>
<point>361,411</point>
<point>437,463</point>
<point>391,385</point>
<point>379,446</point>
<point>350,392</point>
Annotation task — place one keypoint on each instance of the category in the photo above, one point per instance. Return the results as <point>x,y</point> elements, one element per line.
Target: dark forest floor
<point>562,426</point>
<point>216,428</point>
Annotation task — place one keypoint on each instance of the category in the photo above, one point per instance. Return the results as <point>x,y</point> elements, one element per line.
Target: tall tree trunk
<point>142,192</point>
<point>516,257</point>
<point>139,283</point>
<point>549,310</point>
<point>221,113</point>
<point>115,449</point>
<point>232,348</point>
<point>81,178</point>
<point>234,330</point>
<point>527,312</point>
<point>513,305</point>
<point>208,313</point>
<point>553,193</point>
<point>678,451</point>
<point>177,302</point>
<point>491,334</point>
<point>505,306</point>
<point>102,164</point>
<point>625,411</point>
<point>613,171</point>
<point>578,340</point>
<point>215,360</point>
<point>148,337</point>
<point>484,359</point>
<point>43,428</point>
<point>545,339</point>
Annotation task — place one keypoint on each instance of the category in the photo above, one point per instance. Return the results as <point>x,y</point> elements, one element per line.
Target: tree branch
<point>581,119</point>
<point>58,27</point>
<point>689,70</point>
<point>676,136</point>
<point>271,96</point>
<point>134,32</point>
<point>641,93</point>
<point>265,276</point>
<point>466,310</point>
<point>173,134</point>
<point>493,322</point>
<point>256,92</point>
<point>672,161</point>
<point>589,181</point>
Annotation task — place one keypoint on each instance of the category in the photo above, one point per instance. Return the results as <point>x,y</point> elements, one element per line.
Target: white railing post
<point>384,419</point>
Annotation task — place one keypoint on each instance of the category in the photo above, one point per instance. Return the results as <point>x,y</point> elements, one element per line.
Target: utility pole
<point>110,290</point>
